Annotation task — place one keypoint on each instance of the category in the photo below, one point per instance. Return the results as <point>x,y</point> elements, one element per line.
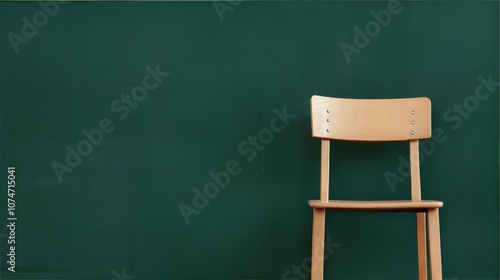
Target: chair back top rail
<point>371,119</point>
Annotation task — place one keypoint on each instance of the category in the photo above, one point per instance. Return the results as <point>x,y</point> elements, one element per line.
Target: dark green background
<point>119,208</point>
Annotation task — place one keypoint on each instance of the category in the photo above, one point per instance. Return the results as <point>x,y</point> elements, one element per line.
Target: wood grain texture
<point>371,119</point>
<point>377,205</point>
<point>376,120</point>
<point>318,244</point>
<point>421,246</point>
<point>325,170</point>
<point>434,244</point>
<point>416,193</point>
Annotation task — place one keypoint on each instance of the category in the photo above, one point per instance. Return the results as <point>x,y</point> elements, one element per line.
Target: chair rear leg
<point>434,244</point>
<point>421,246</point>
<point>318,244</point>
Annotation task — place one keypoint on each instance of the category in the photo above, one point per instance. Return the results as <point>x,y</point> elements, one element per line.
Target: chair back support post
<point>325,169</point>
<point>416,194</point>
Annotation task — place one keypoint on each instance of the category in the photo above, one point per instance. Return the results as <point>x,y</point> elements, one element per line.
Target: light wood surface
<point>434,244</point>
<point>318,235</point>
<point>415,171</point>
<point>376,120</point>
<point>377,205</point>
<point>371,119</point>
<point>318,244</point>
<point>421,246</point>
<point>416,195</point>
<point>325,169</point>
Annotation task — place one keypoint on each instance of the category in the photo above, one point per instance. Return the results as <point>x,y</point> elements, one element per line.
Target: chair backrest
<point>406,119</point>
<point>371,119</point>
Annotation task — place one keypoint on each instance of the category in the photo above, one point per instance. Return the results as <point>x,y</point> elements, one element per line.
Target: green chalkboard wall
<point>172,140</point>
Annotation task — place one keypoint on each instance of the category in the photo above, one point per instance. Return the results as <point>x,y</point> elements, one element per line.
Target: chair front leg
<point>318,244</point>
<point>434,244</point>
<point>421,246</point>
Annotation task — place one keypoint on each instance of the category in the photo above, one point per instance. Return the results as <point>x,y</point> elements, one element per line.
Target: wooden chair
<point>406,119</point>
